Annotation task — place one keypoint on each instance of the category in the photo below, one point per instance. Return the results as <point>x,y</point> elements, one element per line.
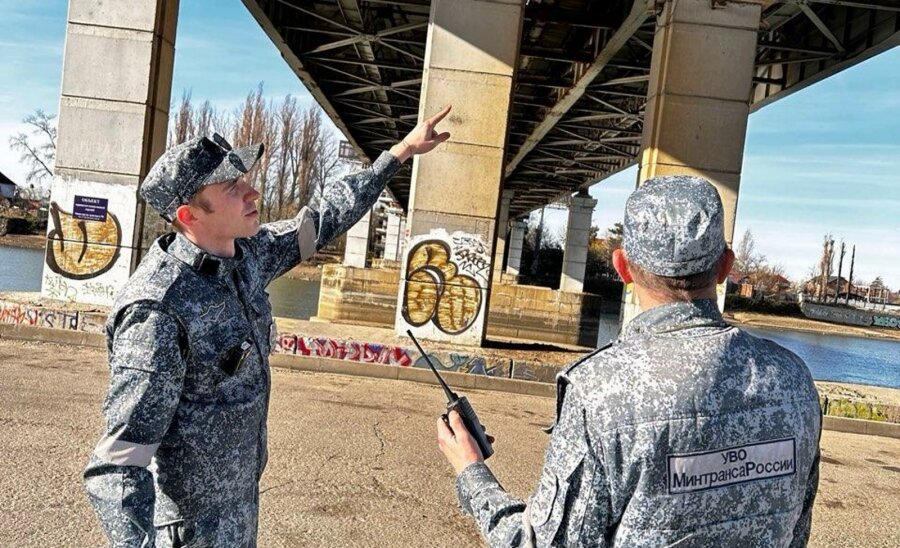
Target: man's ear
<point>725,264</point>
<point>620,263</point>
<point>185,215</point>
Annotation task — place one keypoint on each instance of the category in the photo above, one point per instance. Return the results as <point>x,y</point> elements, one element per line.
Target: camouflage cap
<point>674,226</point>
<point>184,169</point>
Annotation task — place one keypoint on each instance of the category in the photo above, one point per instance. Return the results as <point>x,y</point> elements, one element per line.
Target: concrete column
<point>113,115</point>
<point>578,232</point>
<point>699,97</point>
<point>356,249</point>
<point>502,229</point>
<point>516,243</point>
<point>472,51</point>
<point>394,236</point>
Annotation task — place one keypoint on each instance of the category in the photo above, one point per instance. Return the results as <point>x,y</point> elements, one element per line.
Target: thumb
<point>457,423</point>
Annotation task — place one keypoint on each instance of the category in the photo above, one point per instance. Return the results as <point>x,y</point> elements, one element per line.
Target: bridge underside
<point>581,83</point>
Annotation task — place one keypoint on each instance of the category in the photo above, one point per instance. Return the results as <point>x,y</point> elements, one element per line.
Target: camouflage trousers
<point>232,526</point>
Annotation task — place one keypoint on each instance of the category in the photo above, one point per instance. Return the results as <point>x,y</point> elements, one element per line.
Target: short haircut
<point>198,201</point>
<point>676,287</point>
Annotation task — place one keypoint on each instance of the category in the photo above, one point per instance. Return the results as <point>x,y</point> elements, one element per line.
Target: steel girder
<point>581,83</point>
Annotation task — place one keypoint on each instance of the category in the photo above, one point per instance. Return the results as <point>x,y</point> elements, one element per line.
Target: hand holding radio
<point>461,436</point>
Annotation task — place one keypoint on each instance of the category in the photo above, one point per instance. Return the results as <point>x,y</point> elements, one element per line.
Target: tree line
<point>300,150</point>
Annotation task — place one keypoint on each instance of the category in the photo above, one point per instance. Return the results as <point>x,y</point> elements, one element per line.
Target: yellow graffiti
<point>79,249</point>
<point>436,292</point>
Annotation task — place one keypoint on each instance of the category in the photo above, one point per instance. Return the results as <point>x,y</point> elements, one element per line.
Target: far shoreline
<point>805,325</point>
<point>24,241</point>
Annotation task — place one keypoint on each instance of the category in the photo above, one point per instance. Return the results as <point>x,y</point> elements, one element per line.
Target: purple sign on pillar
<point>90,209</point>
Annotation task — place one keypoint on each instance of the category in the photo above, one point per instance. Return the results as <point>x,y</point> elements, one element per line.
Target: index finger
<point>439,116</point>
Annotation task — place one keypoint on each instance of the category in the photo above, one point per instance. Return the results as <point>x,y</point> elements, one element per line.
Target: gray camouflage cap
<point>184,169</point>
<point>674,226</point>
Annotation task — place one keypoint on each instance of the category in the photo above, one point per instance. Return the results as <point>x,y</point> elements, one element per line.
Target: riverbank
<point>305,271</point>
<point>25,241</point>
<point>806,325</point>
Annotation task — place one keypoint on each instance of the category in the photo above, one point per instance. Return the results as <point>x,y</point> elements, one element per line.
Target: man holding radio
<point>685,431</point>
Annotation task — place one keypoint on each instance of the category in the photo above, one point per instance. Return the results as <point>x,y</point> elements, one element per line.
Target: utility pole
<point>850,279</point>
<point>827,251</point>
<point>837,282</point>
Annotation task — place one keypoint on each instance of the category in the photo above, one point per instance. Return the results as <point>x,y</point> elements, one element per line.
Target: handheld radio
<point>461,405</point>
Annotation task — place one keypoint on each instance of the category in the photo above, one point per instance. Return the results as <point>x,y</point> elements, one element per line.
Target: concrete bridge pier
<point>471,52</point>
<point>113,117</point>
<point>393,241</point>
<point>578,232</point>
<point>699,99</point>
<point>502,232</point>
<point>356,247</point>
<point>516,245</point>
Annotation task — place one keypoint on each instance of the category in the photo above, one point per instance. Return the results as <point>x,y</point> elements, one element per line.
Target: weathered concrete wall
<point>849,316</point>
<point>351,295</point>
<point>367,296</point>
<point>113,115</point>
<point>544,315</point>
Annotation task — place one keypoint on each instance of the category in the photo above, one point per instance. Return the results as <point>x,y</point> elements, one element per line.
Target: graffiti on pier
<point>444,283</point>
<point>56,287</point>
<point>886,321</point>
<point>386,354</point>
<point>340,349</point>
<point>466,363</point>
<point>79,249</point>
<point>34,316</point>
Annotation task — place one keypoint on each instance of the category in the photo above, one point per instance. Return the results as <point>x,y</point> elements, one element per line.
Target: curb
<point>50,335</point>
<point>457,380</point>
<point>861,426</point>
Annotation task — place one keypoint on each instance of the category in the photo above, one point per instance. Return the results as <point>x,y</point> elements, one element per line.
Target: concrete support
<point>578,230</point>
<point>356,249</point>
<point>502,231</point>
<point>516,244</point>
<point>113,116</point>
<point>699,95</point>
<point>393,243</point>
<point>472,50</point>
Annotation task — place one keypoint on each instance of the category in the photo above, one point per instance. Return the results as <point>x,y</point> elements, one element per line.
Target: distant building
<point>8,189</point>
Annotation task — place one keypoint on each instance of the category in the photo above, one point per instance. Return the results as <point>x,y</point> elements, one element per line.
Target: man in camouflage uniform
<point>189,337</point>
<point>685,431</point>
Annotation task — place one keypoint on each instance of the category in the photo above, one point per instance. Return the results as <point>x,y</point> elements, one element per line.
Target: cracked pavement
<point>352,461</point>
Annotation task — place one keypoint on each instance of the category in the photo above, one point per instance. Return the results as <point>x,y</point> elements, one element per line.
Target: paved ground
<point>353,460</point>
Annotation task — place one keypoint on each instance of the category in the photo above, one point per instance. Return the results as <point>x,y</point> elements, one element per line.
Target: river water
<point>829,357</point>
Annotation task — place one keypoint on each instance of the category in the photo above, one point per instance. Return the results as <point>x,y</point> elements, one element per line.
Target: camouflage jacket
<point>685,431</point>
<point>189,338</point>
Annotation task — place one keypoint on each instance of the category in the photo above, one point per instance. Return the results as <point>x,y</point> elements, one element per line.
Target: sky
<point>823,160</point>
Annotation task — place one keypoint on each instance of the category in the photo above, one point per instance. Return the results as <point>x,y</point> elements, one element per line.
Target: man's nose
<point>252,194</point>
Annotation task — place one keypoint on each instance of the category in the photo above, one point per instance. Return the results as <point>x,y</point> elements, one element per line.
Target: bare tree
<point>37,148</point>
<point>183,128</point>
<point>314,156</point>
<point>746,259</point>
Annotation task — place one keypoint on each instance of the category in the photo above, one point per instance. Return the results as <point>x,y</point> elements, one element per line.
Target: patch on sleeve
<point>708,470</point>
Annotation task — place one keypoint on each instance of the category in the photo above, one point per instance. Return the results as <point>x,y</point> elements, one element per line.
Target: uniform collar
<point>201,261</point>
<point>676,316</point>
